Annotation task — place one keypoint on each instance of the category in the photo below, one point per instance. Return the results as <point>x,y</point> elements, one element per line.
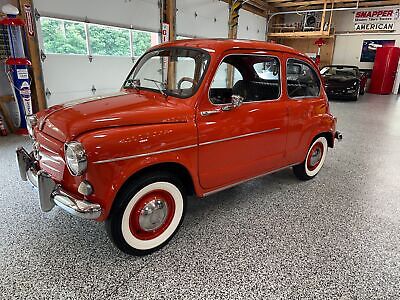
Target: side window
<point>302,81</point>
<point>221,76</point>
<point>253,77</point>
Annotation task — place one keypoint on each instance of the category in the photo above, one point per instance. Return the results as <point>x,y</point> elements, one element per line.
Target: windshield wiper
<point>158,84</point>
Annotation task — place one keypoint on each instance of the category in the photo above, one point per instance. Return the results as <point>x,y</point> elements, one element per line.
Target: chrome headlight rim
<point>75,158</point>
<point>31,123</point>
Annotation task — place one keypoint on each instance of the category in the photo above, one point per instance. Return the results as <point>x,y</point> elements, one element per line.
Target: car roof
<point>221,45</point>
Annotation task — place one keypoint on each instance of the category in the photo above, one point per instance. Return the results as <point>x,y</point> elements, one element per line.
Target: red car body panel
<point>133,130</point>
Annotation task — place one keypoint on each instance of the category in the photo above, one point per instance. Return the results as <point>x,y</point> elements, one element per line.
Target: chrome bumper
<point>51,193</point>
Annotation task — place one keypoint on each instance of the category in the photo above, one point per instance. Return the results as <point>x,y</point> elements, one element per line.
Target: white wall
<point>348,46</point>
<point>251,26</point>
<point>141,14</point>
<point>72,76</point>
<point>211,20</point>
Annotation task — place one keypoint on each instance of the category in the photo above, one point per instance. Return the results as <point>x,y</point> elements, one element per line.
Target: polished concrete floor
<point>336,237</point>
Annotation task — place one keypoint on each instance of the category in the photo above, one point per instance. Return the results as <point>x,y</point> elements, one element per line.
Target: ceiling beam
<point>348,4</point>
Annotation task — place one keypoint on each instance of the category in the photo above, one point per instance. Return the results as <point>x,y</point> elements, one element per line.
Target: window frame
<point>88,47</point>
<point>249,54</point>
<point>42,38</point>
<point>312,68</point>
<point>161,48</point>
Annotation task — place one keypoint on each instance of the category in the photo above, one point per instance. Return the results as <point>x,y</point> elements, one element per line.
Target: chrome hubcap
<point>153,215</point>
<point>315,157</point>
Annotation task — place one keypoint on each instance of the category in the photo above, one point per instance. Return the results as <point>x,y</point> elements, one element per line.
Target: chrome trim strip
<point>239,136</point>
<point>51,168</point>
<point>248,179</point>
<point>51,158</point>
<point>143,154</point>
<point>48,149</point>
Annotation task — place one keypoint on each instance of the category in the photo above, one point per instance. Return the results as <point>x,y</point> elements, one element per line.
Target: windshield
<point>173,71</point>
<point>339,71</point>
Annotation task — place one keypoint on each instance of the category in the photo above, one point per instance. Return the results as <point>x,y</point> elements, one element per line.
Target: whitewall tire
<point>314,160</point>
<point>147,213</point>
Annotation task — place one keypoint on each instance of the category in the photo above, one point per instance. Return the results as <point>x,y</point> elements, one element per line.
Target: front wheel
<point>314,161</point>
<point>357,95</point>
<point>147,213</point>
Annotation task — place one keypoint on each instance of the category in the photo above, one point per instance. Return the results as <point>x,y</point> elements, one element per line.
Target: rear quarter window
<point>302,80</point>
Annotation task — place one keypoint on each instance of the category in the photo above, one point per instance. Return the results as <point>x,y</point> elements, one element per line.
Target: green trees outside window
<point>109,41</point>
<point>141,42</point>
<point>68,37</point>
<point>63,37</point>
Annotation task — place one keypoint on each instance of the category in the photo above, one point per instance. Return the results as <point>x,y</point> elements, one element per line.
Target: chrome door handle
<point>209,112</point>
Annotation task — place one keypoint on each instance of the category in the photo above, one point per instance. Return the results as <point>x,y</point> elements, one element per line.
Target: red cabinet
<point>385,69</point>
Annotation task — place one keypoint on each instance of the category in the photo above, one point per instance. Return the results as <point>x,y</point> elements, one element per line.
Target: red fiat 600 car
<point>193,117</point>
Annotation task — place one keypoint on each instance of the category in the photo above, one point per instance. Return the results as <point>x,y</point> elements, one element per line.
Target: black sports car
<point>344,82</point>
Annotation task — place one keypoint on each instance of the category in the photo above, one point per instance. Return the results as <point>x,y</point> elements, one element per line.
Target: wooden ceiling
<point>264,7</point>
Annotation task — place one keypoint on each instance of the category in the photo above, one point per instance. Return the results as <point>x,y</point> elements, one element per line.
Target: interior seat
<point>256,90</point>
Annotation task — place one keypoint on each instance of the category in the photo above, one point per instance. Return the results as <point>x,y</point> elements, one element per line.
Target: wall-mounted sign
<point>165,33</point>
<point>369,48</point>
<point>29,20</point>
<point>376,19</point>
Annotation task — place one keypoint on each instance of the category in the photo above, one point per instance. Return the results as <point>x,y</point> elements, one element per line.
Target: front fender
<point>115,154</point>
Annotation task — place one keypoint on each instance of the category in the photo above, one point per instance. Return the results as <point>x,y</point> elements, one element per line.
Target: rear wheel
<point>362,92</point>
<point>357,95</point>
<point>147,213</point>
<point>314,161</point>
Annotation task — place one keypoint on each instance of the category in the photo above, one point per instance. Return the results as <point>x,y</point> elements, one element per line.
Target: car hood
<point>66,122</point>
<point>339,80</point>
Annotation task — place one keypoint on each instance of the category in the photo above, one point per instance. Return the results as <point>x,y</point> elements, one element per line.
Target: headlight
<point>31,122</point>
<point>75,157</point>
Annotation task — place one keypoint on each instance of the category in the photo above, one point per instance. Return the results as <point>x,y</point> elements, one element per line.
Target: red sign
<point>29,20</point>
<point>377,15</point>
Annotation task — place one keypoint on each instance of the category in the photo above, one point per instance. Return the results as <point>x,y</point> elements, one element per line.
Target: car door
<point>305,104</point>
<point>249,140</point>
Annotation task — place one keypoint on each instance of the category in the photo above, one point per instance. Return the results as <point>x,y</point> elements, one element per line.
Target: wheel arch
<point>172,167</point>
<point>329,137</point>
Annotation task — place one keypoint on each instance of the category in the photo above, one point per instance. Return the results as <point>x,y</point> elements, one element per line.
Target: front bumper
<point>51,193</point>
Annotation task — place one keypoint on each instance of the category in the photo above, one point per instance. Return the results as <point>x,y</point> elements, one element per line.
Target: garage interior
<point>334,237</point>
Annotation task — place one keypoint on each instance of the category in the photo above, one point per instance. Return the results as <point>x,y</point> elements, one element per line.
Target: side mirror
<point>236,102</point>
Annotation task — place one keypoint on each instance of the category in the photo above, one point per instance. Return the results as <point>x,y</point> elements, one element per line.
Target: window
<point>340,71</point>
<point>106,40</point>
<point>221,76</point>
<point>63,37</point>
<point>143,40</point>
<point>253,77</point>
<point>69,37</point>
<point>176,71</point>
<point>302,80</point>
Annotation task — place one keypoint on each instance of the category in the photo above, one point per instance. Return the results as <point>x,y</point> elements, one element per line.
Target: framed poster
<point>369,47</point>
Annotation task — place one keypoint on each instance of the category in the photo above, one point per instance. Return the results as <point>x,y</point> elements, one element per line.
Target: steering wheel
<point>183,79</point>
